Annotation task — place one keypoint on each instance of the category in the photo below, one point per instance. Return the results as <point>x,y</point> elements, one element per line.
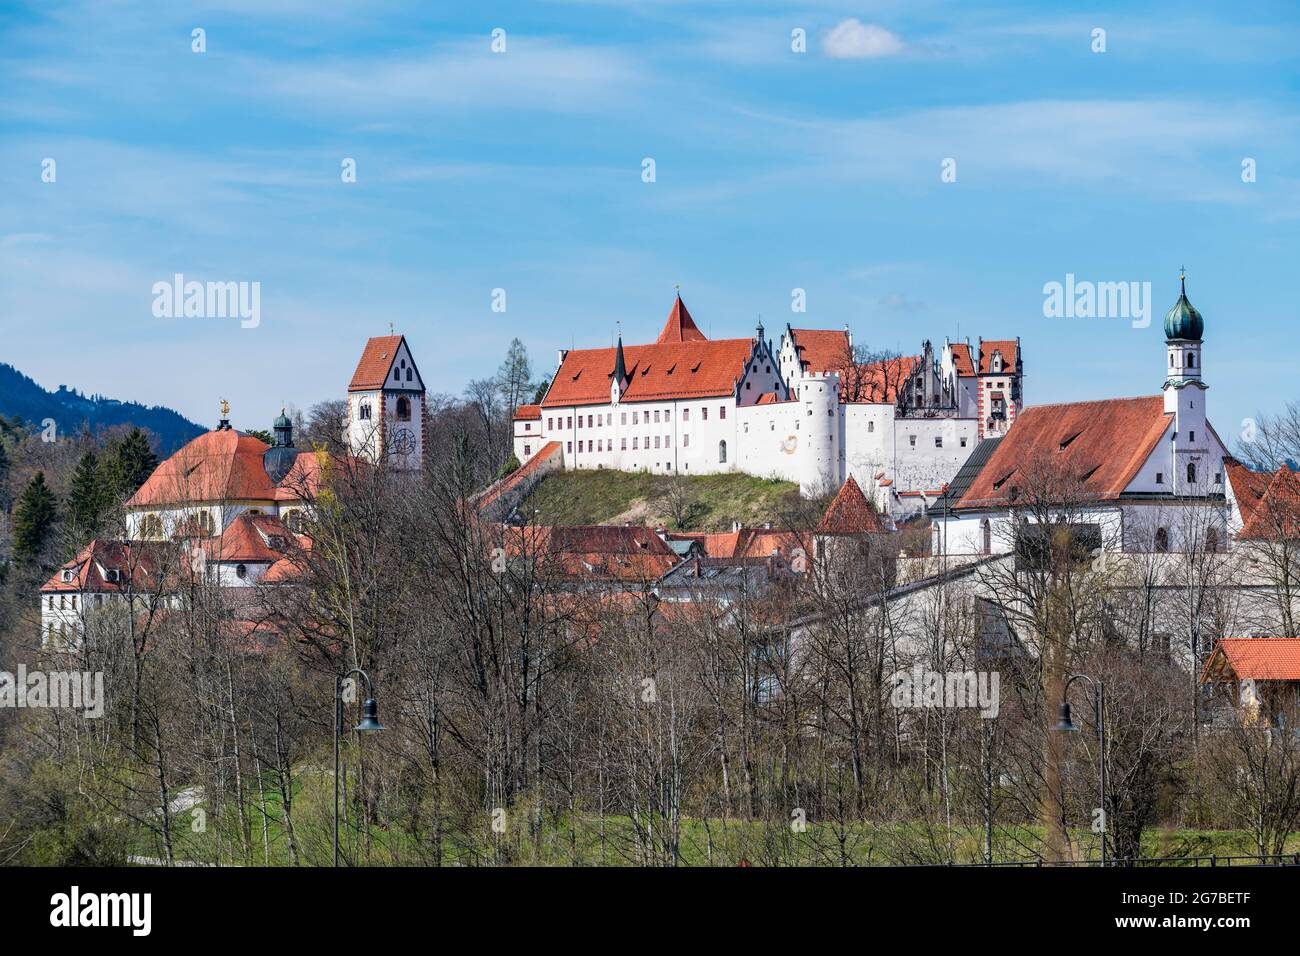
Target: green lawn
<point>715,501</point>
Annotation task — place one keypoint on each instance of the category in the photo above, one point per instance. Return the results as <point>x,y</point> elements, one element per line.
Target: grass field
<point>617,497</point>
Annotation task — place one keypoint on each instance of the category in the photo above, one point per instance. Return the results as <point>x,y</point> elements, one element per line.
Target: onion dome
<point>1183,321</point>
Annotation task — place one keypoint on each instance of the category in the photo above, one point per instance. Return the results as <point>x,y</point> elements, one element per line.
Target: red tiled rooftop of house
<point>1275,513</point>
<point>1103,444</point>
<point>528,413</point>
<point>1253,658</point>
<point>219,465</point>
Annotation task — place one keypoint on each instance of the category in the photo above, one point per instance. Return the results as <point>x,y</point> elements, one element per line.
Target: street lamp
<point>1065,725</point>
<point>369,723</point>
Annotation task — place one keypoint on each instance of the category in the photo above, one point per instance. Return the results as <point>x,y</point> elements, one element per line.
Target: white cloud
<point>852,39</point>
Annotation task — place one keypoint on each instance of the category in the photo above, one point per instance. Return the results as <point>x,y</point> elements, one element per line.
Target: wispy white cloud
<point>852,39</point>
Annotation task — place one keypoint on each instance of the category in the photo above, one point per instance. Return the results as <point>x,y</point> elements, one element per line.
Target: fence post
<point>1214,859</point>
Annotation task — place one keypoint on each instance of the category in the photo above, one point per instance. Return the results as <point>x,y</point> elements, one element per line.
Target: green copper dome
<point>1183,321</point>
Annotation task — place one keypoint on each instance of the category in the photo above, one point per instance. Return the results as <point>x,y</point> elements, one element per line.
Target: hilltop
<point>21,397</point>
<point>678,502</point>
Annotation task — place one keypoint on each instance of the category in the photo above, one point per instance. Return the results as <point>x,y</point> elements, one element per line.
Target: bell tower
<point>1185,392</point>
<point>386,405</point>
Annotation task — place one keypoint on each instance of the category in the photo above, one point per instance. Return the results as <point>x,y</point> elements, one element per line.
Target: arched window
<point>403,409</point>
<point>1191,360</point>
<point>986,537</point>
<point>722,452</point>
<point>241,571</point>
<point>1211,539</point>
<point>1162,540</point>
<point>204,524</point>
<point>364,411</point>
<point>1171,359</point>
<point>1191,472</point>
<point>408,374</point>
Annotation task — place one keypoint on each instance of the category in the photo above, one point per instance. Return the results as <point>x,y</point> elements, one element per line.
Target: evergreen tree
<point>34,519</point>
<point>135,462</point>
<point>86,495</point>
<point>542,386</point>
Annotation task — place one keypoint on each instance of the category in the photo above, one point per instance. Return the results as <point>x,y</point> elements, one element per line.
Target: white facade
<point>387,422</point>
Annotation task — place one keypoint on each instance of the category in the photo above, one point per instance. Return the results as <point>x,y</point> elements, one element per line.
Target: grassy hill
<point>678,502</point>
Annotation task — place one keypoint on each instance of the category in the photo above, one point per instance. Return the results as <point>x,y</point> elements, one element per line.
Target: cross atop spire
<point>1182,279</point>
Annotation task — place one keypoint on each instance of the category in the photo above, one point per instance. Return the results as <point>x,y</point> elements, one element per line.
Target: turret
<point>818,435</point>
<point>279,458</point>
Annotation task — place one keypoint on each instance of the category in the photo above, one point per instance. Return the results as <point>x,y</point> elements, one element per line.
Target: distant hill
<point>22,397</point>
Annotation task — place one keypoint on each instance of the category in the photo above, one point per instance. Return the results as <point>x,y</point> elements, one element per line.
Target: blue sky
<point>522,170</point>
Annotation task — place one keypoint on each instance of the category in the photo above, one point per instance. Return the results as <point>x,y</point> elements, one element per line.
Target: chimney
<point>560,356</point>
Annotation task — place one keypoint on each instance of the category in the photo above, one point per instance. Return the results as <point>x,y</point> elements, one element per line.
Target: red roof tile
<point>253,539</point>
<point>1275,514</point>
<point>1104,443</point>
<point>600,552</point>
<point>1008,349</point>
<point>222,465</point>
<point>850,513</point>
<point>376,361</point>
<point>1254,658</point>
<point>1248,486</point>
<point>660,372</point>
<point>961,359</point>
<point>521,474</point>
<point>528,413</point>
<point>822,350</point>
<point>138,566</point>
<point>680,327</point>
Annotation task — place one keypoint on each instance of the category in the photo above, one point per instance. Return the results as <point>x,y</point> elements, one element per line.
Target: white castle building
<point>808,411</point>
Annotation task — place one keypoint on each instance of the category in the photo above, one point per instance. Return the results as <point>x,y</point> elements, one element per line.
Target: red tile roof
<point>1104,443</point>
<point>138,565</point>
<point>252,539</point>
<point>528,413</point>
<point>822,350</point>
<point>376,360</point>
<point>680,327</point>
<point>850,513</point>
<point>1254,658</point>
<point>1248,486</point>
<point>594,552</point>
<point>1008,349</point>
<point>961,359</point>
<point>745,542</point>
<point>1274,514</point>
<point>220,465</point>
<point>661,372</point>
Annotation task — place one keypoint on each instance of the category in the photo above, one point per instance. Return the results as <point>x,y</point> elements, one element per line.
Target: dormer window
<point>112,575</point>
<point>67,576</point>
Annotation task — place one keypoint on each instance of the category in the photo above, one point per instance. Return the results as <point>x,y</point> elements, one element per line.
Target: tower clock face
<point>403,442</point>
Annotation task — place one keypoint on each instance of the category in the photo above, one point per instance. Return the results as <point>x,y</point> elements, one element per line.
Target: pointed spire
<point>680,327</point>
<point>620,365</point>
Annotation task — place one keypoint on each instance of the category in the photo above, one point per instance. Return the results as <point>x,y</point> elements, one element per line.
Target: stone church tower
<point>386,405</point>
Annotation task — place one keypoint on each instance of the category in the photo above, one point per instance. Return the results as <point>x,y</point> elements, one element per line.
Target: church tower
<point>1185,393</point>
<point>386,405</point>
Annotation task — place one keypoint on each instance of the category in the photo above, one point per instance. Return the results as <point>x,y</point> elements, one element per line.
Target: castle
<point>808,410</point>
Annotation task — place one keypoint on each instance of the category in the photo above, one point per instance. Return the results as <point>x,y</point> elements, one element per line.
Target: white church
<point>807,411</point>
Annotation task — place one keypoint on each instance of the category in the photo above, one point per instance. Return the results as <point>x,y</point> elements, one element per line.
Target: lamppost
<point>1066,725</point>
<point>369,723</point>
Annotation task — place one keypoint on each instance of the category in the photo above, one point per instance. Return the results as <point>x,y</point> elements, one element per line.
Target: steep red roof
<point>1104,443</point>
<point>680,327</point>
<point>850,513</point>
<point>138,566</point>
<point>528,413</point>
<point>254,539</point>
<point>1275,514</point>
<point>1008,349</point>
<point>822,350</point>
<point>548,455</point>
<point>376,360</point>
<point>220,465</point>
<point>697,369</point>
<point>1248,486</point>
<point>961,359</point>
<point>1254,658</point>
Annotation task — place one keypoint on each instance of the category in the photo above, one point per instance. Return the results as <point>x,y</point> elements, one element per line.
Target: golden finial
<point>225,408</point>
